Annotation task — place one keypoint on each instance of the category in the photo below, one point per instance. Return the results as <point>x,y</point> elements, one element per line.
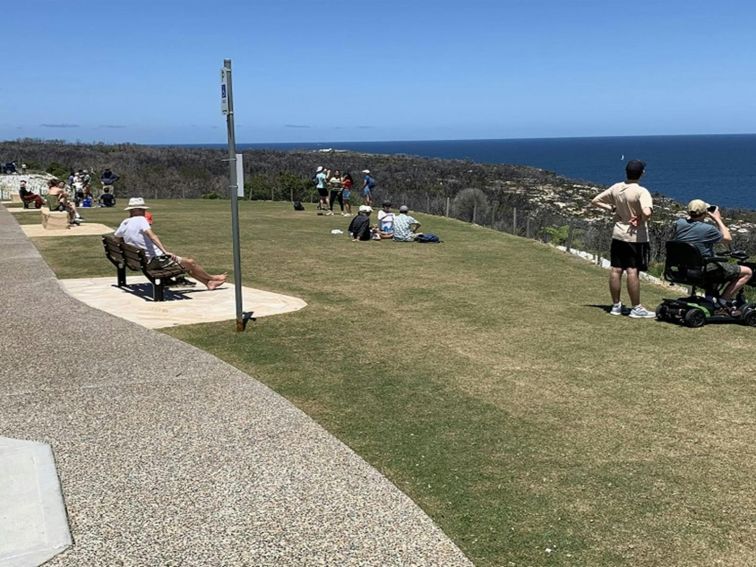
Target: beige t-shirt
<point>629,200</point>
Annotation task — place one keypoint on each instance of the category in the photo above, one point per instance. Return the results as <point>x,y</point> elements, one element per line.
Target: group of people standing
<point>335,187</point>
<point>81,183</point>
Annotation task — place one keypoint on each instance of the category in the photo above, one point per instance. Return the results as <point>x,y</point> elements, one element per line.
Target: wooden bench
<point>123,256</point>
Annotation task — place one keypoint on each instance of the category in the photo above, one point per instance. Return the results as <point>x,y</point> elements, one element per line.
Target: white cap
<point>365,171</point>
<point>366,209</point>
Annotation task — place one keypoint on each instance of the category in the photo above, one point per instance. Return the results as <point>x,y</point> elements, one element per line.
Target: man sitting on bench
<point>136,231</point>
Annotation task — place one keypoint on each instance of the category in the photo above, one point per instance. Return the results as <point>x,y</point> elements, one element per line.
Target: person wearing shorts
<point>632,206</point>
<point>136,231</point>
<point>347,182</point>
<point>704,236</point>
<point>321,184</point>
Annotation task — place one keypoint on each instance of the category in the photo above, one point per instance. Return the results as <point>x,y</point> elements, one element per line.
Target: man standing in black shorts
<point>632,207</point>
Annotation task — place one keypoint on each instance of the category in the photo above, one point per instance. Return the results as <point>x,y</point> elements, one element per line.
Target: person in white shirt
<point>386,221</point>
<point>136,231</point>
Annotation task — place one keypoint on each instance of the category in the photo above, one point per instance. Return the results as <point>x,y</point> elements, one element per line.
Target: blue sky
<point>362,70</point>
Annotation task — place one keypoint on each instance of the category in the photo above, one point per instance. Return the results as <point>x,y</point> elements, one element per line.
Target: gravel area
<point>168,456</point>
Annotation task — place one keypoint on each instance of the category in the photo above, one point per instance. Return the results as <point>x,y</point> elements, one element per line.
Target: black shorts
<point>323,192</point>
<point>630,255</point>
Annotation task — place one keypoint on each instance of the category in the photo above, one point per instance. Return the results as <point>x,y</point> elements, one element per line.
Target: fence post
<point>475,212</point>
<point>447,207</point>
<point>527,227</point>
<point>427,203</point>
<point>514,220</point>
<point>493,216</point>
<point>291,190</point>
<point>569,237</point>
<point>271,193</point>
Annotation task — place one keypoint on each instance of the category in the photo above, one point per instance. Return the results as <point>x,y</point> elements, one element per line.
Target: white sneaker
<point>616,309</point>
<point>640,312</point>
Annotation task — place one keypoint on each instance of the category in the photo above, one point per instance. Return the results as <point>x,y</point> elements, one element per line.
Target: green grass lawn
<point>485,378</point>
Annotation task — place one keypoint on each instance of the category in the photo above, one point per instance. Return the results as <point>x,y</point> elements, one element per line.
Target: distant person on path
<point>321,184</point>
<point>386,221</point>
<point>107,199</point>
<point>368,183</point>
<point>695,230</point>
<point>359,228</point>
<point>347,183</point>
<point>336,187</point>
<point>28,196</point>
<point>632,206</point>
<point>136,231</point>
<point>405,226</point>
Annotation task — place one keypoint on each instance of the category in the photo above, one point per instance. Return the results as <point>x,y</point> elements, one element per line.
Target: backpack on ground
<point>427,237</point>
<point>298,206</point>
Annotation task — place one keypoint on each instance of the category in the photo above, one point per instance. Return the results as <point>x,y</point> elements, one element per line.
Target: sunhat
<point>136,203</point>
<point>365,171</point>
<point>366,209</point>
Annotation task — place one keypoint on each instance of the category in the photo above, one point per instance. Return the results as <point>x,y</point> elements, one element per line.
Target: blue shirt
<point>703,235</point>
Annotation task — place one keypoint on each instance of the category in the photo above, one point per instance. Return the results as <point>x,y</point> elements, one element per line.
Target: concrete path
<point>168,456</point>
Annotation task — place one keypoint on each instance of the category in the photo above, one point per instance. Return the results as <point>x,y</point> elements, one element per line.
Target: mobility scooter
<point>686,265</point>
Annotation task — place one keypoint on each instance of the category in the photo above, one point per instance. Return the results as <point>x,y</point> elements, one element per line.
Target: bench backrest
<point>112,245</point>
<point>133,256</point>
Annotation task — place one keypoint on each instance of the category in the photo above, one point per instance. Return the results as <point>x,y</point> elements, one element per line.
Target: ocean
<point>719,169</point>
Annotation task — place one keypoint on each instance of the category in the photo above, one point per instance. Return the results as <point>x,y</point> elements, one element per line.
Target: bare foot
<point>219,278</point>
<point>214,284</point>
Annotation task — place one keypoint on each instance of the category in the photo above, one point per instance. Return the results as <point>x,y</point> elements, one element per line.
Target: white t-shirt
<point>386,221</point>
<point>133,231</point>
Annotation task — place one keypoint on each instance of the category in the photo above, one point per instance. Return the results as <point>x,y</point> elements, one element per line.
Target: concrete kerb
<point>166,454</point>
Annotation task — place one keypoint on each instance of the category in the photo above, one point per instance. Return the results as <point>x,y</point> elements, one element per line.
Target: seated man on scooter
<point>704,235</point>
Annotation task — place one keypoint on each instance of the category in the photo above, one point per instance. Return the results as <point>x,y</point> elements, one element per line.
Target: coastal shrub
<point>58,170</point>
<point>557,235</point>
<point>471,205</point>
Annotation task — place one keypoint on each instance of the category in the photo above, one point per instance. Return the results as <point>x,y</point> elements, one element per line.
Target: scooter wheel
<point>750,319</point>
<point>694,318</point>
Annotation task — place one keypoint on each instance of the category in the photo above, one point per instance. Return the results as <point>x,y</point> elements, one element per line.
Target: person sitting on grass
<point>359,228</point>
<point>136,231</point>
<point>107,199</point>
<point>386,221</point>
<point>28,197</point>
<point>405,226</point>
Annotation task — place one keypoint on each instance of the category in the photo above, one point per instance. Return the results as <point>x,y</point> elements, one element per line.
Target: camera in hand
<point>711,208</point>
